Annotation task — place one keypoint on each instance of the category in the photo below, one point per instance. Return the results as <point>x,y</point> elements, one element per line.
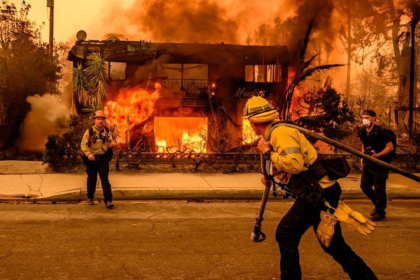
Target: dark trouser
<point>101,166</point>
<point>294,224</point>
<point>377,194</point>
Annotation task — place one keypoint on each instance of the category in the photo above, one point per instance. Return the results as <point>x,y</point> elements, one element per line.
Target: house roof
<point>141,51</point>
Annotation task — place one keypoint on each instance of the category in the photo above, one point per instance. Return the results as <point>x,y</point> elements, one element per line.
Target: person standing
<point>295,160</point>
<point>97,151</point>
<point>377,143</point>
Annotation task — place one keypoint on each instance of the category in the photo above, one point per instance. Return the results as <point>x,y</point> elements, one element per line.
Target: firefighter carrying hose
<point>296,163</point>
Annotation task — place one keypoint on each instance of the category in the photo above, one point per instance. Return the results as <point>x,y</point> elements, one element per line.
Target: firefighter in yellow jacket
<point>294,160</point>
<point>97,152</point>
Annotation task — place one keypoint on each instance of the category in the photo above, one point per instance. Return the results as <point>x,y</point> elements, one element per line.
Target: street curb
<point>203,194</point>
<point>391,194</point>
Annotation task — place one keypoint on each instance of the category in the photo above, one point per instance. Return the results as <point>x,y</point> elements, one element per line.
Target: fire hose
<point>257,235</point>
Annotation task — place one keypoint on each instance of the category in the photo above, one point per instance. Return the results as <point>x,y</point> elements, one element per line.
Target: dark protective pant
<point>101,166</point>
<point>294,224</point>
<point>373,185</point>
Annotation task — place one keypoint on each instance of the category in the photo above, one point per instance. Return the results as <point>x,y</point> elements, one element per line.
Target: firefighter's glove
<point>266,182</point>
<point>325,229</point>
<point>283,177</point>
<point>353,219</point>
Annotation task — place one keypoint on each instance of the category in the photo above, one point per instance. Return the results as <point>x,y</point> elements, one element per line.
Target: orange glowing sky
<point>70,16</point>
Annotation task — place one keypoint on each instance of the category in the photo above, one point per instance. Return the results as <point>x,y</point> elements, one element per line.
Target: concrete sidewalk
<point>33,181</point>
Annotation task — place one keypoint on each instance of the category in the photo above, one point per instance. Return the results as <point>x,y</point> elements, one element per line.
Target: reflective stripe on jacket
<point>292,151</point>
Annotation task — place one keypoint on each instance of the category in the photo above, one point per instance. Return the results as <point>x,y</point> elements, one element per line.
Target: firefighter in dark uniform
<point>97,146</point>
<point>292,156</point>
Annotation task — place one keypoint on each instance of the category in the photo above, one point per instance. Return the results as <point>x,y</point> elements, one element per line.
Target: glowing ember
<point>137,103</point>
<point>177,134</point>
<point>248,134</point>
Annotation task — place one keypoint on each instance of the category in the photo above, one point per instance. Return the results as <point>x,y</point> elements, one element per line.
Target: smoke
<point>48,115</point>
<point>325,37</point>
<point>182,21</point>
<point>204,21</point>
<point>291,31</point>
<point>270,22</point>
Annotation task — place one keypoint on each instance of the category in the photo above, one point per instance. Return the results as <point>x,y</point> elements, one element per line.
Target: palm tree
<point>90,84</point>
<point>95,74</point>
<point>303,71</point>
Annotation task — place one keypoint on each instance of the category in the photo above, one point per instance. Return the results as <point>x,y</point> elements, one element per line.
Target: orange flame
<point>137,103</point>
<point>248,134</point>
<point>177,134</point>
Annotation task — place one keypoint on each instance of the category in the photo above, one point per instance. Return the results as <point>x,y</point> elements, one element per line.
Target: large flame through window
<point>136,103</point>
<point>178,134</point>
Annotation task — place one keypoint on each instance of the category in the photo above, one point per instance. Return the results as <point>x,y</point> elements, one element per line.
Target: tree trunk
<point>349,43</point>
<point>395,27</point>
<point>412,72</point>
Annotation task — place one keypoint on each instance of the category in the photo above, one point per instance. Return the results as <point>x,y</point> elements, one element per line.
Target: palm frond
<point>80,85</point>
<point>95,73</point>
<point>307,63</point>
<point>306,40</point>
<point>309,72</point>
<point>91,108</point>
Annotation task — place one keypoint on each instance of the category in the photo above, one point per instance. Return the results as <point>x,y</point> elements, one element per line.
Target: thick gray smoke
<point>48,115</point>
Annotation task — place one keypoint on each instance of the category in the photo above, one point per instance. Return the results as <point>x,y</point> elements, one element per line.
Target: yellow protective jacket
<point>97,146</point>
<point>292,151</point>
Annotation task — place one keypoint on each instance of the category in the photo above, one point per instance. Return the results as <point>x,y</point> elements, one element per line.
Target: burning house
<point>178,96</point>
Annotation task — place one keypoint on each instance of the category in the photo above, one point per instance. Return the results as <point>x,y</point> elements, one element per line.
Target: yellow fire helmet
<point>259,110</point>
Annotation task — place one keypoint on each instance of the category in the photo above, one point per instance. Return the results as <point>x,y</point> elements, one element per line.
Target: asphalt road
<point>180,240</point>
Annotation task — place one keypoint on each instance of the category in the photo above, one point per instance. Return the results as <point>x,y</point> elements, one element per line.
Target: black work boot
<point>109,205</point>
<point>378,218</point>
<point>91,201</point>
<point>373,213</point>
